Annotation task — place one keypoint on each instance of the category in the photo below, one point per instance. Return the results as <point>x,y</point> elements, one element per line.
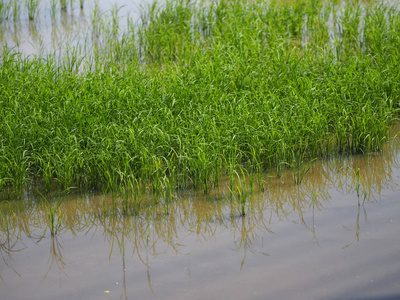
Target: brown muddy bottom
<point>334,236</point>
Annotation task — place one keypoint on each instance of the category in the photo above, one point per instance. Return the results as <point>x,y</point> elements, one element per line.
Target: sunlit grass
<point>194,92</point>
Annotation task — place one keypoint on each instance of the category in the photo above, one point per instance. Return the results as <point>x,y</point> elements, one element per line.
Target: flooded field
<point>176,112</point>
<point>334,236</point>
<point>73,29</point>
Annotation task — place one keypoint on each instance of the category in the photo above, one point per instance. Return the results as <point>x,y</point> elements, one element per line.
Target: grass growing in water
<point>195,92</point>
<point>16,5</point>
<point>53,216</point>
<point>63,4</point>
<point>32,6</point>
<point>5,7</point>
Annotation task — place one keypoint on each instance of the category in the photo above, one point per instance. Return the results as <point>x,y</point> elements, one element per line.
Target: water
<point>53,29</point>
<point>315,240</point>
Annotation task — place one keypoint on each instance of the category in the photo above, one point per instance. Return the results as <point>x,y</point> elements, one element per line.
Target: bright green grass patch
<point>198,91</point>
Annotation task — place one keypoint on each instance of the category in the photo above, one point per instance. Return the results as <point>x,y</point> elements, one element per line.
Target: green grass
<point>63,4</point>
<point>33,8</point>
<point>198,91</point>
<point>5,8</point>
<point>37,218</point>
<point>16,5</point>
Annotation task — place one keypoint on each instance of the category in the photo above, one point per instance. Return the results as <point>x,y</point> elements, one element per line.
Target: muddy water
<point>334,236</point>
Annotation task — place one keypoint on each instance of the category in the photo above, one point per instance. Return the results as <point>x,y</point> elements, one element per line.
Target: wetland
<point>174,150</point>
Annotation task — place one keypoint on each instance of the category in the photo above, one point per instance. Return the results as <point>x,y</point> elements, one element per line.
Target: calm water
<point>316,240</point>
<point>53,29</point>
<point>74,31</point>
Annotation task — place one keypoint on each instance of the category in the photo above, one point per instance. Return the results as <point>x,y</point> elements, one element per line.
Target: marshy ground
<point>241,149</point>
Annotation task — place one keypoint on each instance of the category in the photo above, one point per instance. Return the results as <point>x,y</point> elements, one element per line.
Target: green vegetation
<point>16,5</point>
<point>199,91</point>
<point>4,10</point>
<point>38,217</point>
<point>32,6</point>
<point>63,4</point>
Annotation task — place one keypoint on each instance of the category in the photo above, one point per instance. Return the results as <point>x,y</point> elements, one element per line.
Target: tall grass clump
<point>198,91</point>
<point>63,4</point>
<point>32,7</point>
<point>16,5</point>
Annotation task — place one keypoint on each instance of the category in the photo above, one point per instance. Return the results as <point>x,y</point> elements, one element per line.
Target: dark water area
<point>314,240</point>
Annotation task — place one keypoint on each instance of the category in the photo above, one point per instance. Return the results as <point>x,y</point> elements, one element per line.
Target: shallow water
<point>51,31</point>
<point>75,31</point>
<point>315,240</point>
